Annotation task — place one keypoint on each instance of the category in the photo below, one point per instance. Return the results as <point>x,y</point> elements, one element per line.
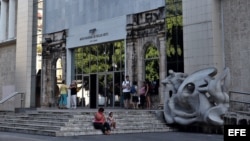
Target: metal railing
<point>239,101</point>
<point>12,95</point>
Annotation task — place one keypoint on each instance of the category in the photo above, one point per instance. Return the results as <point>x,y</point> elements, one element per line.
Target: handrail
<point>12,95</point>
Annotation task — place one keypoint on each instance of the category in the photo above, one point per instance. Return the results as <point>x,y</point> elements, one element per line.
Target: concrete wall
<point>217,33</point>
<point>17,59</point>
<point>202,35</point>
<point>25,55</point>
<point>64,14</point>
<point>237,42</point>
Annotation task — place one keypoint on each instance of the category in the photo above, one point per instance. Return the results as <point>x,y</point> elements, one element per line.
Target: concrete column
<point>129,60</point>
<point>163,65</point>
<point>12,21</point>
<point>3,20</point>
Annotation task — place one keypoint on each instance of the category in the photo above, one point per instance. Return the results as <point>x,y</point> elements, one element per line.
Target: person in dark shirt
<point>73,93</point>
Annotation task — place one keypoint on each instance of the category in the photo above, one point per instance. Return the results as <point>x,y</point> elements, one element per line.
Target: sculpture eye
<point>190,87</point>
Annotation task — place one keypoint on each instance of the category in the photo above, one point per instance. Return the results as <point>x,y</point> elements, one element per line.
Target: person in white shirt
<point>126,91</point>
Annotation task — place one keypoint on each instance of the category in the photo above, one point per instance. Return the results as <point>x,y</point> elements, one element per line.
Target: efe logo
<point>237,132</point>
<point>241,132</point>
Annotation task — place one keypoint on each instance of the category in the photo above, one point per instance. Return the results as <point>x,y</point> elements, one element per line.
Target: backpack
<point>133,90</point>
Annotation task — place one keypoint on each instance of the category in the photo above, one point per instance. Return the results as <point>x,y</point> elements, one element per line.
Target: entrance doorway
<point>105,95</point>
<point>100,90</point>
<point>152,75</point>
<point>109,89</point>
<point>83,95</point>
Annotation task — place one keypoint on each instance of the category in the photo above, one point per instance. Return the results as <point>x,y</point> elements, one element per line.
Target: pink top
<point>99,117</point>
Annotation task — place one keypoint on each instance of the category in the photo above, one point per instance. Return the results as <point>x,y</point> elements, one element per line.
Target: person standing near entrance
<point>126,91</point>
<point>73,92</point>
<point>63,95</point>
<point>148,93</point>
<point>143,92</point>
<point>135,98</point>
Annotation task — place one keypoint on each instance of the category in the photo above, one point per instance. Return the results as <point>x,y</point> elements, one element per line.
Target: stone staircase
<point>79,122</point>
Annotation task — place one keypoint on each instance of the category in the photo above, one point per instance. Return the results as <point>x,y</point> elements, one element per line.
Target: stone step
<point>87,125</point>
<point>34,126</point>
<point>38,122</point>
<point>116,131</point>
<point>73,123</point>
<point>80,131</point>
<point>27,130</point>
<point>57,121</point>
<point>74,118</point>
<point>121,115</point>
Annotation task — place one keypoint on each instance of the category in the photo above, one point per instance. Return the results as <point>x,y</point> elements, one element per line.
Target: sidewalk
<point>168,136</point>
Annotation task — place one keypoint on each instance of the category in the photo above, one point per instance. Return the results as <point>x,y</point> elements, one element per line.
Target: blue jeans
<point>63,100</point>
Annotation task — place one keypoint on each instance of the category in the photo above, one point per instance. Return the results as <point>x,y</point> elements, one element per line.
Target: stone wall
<point>236,41</point>
<point>7,73</point>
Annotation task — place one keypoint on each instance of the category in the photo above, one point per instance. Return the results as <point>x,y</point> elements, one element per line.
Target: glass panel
<point>83,93</point>
<point>78,63</point>
<point>105,90</point>
<point>174,35</point>
<point>118,56</point>
<point>103,60</point>
<point>101,90</point>
<point>109,90</point>
<point>118,101</point>
<point>109,53</point>
<point>93,59</point>
<point>86,60</point>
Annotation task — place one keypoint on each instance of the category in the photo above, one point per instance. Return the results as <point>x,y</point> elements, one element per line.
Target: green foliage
<point>152,63</point>
<point>99,58</point>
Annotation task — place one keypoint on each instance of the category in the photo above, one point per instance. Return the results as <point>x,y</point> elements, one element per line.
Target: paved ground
<point>168,136</point>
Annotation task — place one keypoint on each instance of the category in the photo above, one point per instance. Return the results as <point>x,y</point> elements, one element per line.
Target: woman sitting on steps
<point>100,122</point>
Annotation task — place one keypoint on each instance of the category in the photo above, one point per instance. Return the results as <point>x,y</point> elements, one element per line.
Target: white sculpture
<point>198,97</point>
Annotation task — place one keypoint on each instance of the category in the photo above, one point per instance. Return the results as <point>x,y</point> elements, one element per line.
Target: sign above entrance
<point>94,36</point>
<point>96,33</point>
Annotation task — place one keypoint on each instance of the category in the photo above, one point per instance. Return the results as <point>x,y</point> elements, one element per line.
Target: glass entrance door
<point>100,90</point>
<point>83,95</point>
<point>105,93</point>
